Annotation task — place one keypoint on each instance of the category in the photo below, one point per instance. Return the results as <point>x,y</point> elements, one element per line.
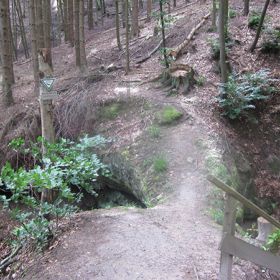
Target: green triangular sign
<point>48,83</point>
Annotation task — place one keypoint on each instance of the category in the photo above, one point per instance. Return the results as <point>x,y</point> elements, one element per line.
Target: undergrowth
<point>65,164</point>
<point>240,95</point>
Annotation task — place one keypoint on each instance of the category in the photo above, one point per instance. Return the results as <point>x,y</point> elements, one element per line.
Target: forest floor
<point>177,239</point>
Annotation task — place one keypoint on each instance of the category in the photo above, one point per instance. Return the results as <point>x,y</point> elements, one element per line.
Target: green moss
<point>169,114</point>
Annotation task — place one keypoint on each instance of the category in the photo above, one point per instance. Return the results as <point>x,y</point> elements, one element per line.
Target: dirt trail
<point>175,240</point>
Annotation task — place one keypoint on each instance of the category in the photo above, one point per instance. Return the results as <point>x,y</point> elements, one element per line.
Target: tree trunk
<point>90,14</point>
<point>246,7</point>
<point>70,22</point>
<point>14,30</point>
<point>11,48</point>
<point>34,46</point>
<point>47,27</point>
<point>123,13</point>
<point>83,58</point>
<point>39,25</point>
<point>163,34</point>
<point>149,10</point>
<point>5,55</point>
<point>222,17</point>
<point>65,9</point>
<point>22,28</point>
<point>76,33</point>
<point>214,14</point>
<point>118,25</point>
<point>260,26</point>
<point>135,12</point>
<point>127,37</point>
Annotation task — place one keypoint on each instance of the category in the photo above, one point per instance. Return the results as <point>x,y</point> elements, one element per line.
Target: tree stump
<point>265,228</point>
<point>178,78</point>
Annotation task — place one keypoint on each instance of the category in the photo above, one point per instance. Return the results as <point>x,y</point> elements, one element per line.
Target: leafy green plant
<point>169,114</point>
<point>240,94</point>
<point>273,242</point>
<point>154,131</point>
<point>232,13</point>
<point>160,164</point>
<point>254,19</point>
<point>65,164</point>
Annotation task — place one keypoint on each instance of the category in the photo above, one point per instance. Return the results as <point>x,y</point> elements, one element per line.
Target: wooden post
<point>48,132</point>
<point>228,228</point>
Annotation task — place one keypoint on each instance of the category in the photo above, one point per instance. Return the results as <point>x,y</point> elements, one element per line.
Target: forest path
<point>174,240</point>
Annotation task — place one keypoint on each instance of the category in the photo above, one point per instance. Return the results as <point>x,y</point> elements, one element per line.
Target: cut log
<point>178,50</point>
<point>178,77</point>
<point>141,60</point>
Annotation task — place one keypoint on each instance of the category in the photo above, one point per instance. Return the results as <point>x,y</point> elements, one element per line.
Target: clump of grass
<point>111,111</point>
<point>169,114</point>
<point>154,131</point>
<point>160,164</point>
<point>200,81</point>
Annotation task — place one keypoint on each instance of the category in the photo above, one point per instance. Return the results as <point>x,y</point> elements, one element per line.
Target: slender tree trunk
<point>34,46</point>
<point>246,7</point>
<point>149,10</point>
<point>226,19</point>
<point>90,14</point>
<point>118,25</point>
<point>12,47</point>
<point>70,22</point>
<point>127,38</point>
<point>214,14</point>
<point>83,58</point>
<point>163,33</point>
<point>5,54</point>
<point>252,48</point>
<point>76,33</point>
<point>135,14</point>
<point>15,30</point>
<point>66,25</point>
<point>174,3</point>
<point>39,25</point>
<point>22,28</point>
<point>222,40</point>
<point>123,12</point>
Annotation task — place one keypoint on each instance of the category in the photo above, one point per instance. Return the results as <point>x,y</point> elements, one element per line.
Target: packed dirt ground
<point>176,239</point>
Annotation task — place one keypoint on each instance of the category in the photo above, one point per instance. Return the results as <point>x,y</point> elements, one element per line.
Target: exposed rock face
<point>125,178</point>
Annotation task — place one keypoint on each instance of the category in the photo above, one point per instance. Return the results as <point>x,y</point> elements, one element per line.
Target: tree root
<point>9,259</point>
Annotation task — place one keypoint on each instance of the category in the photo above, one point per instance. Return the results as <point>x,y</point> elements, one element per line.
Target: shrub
<point>271,41</point>
<point>273,242</point>
<point>160,164</point>
<point>254,19</point>
<point>169,114</point>
<point>240,94</point>
<point>65,164</point>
